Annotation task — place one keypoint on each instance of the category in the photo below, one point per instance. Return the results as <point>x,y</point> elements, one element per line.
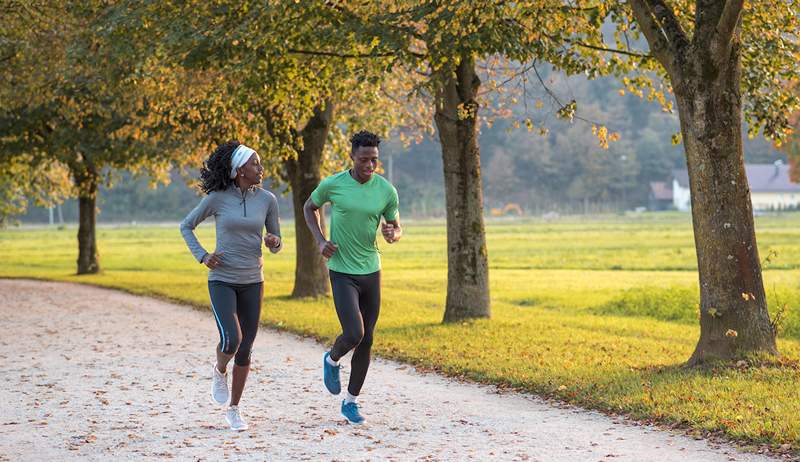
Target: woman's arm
<point>188,225</point>
<point>273,239</point>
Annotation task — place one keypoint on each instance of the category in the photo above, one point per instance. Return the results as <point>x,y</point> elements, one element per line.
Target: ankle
<point>330,361</point>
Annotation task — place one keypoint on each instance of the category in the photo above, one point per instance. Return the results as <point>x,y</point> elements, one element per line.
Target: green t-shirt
<point>356,211</point>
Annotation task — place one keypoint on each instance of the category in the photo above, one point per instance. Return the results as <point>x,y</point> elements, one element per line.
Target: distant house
<point>660,195</point>
<point>770,187</point>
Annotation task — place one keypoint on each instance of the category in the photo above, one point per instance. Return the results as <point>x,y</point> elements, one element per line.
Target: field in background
<point>599,312</point>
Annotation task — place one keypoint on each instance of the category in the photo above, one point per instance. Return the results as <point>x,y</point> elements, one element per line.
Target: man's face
<point>365,161</point>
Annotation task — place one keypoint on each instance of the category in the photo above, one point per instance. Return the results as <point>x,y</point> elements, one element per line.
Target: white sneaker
<point>234,418</point>
<point>219,386</point>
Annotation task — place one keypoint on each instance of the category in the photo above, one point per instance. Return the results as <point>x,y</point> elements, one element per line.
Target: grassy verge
<point>599,314</point>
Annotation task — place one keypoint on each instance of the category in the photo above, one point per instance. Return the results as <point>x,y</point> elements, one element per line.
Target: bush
<point>668,304</point>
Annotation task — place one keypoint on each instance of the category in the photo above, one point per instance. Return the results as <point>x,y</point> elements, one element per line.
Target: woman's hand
<point>213,260</point>
<point>272,241</point>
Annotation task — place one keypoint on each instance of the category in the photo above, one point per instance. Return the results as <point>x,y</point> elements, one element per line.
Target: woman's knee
<point>243,353</point>
<point>242,358</point>
<point>230,345</point>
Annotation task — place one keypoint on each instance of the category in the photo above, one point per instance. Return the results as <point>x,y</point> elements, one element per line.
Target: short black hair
<point>364,138</point>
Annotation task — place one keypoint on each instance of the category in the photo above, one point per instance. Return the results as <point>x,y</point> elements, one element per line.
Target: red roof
<point>661,190</point>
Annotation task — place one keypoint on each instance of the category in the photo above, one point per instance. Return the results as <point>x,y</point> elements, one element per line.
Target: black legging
<point>237,309</point>
<point>358,303</point>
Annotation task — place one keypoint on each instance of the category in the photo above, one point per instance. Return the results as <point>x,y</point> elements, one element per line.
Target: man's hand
<point>327,249</point>
<point>272,241</point>
<point>213,260</point>
<point>387,229</point>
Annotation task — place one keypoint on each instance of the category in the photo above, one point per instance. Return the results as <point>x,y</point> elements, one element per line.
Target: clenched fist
<point>327,249</point>
<point>272,241</point>
<point>387,229</point>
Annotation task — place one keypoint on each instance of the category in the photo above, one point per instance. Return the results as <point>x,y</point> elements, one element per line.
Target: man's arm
<point>311,214</point>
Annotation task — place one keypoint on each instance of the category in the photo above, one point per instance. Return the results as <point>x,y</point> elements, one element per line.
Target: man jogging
<point>358,198</point>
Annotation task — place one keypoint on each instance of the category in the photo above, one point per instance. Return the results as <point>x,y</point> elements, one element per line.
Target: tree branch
<point>505,82</point>
<point>350,55</point>
<point>729,18</point>
<point>724,30</point>
<point>613,50</point>
<point>664,34</point>
<point>555,98</point>
<point>339,55</point>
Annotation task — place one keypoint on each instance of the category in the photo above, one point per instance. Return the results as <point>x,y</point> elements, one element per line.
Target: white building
<point>771,187</point>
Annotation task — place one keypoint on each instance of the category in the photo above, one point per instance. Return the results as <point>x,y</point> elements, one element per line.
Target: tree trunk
<point>311,275</point>
<point>86,181</point>
<point>467,259</point>
<point>734,320</point>
<point>704,68</point>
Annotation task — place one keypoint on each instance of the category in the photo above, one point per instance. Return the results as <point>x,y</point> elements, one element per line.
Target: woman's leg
<point>249,314</point>
<point>224,306</point>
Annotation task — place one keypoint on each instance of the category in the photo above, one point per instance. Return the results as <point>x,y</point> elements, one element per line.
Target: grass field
<point>598,312</point>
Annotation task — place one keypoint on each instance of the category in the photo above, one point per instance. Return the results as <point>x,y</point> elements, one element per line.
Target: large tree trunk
<point>705,70</point>
<point>734,320</point>
<point>86,181</point>
<point>311,275</point>
<point>467,259</point>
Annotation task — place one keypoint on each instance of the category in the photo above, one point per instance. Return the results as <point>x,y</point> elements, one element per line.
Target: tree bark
<point>734,319</point>
<point>311,274</point>
<point>86,181</point>
<point>705,75</point>
<point>467,259</point>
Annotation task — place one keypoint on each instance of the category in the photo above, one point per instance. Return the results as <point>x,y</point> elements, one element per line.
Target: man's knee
<point>353,339</point>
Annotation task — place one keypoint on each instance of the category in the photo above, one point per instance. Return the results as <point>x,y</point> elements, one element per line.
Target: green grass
<point>600,313</point>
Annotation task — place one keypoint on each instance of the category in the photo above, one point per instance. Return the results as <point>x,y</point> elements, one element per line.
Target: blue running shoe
<point>330,375</point>
<point>350,411</point>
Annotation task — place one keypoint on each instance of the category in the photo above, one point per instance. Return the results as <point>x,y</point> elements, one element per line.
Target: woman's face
<point>252,172</point>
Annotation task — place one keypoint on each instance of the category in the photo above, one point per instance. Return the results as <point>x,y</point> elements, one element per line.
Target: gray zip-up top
<point>240,220</point>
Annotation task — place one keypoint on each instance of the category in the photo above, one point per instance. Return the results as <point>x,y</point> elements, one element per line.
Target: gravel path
<point>95,374</point>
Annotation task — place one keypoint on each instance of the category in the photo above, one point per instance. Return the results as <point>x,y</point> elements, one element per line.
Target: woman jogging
<point>358,199</point>
<point>241,208</point>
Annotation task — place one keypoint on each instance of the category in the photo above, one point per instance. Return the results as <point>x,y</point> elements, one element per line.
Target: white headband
<point>240,157</point>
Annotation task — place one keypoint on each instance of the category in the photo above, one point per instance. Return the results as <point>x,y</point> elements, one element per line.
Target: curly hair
<point>364,138</point>
<point>215,175</point>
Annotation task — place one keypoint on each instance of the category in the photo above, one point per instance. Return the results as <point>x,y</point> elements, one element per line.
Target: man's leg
<point>345,298</point>
<point>370,306</point>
